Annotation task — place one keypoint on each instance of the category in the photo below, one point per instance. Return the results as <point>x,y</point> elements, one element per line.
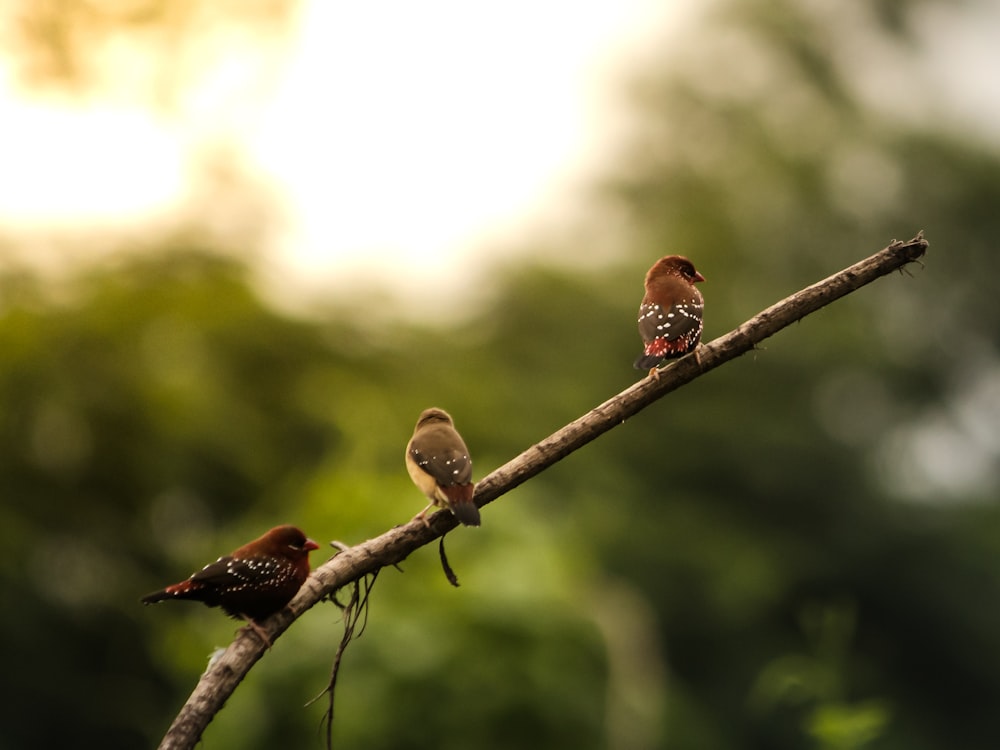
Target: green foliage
<point>782,555</point>
<point>818,681</point>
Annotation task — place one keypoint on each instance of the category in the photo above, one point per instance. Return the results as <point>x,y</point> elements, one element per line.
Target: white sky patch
<point>84,166</point>
<point>407,136</point>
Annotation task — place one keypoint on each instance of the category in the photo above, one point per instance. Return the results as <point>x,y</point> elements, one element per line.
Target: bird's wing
<point>442,455</point>
<point>228,572</point>
<point>677,322</point>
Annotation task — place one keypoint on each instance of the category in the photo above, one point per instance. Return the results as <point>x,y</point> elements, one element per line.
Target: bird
<point>251,582</point>
<point>439,464</point>
<point>670,319</point>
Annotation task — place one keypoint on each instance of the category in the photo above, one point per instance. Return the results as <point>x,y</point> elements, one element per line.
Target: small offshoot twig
<point>355,612</point>
<point>448,572</point>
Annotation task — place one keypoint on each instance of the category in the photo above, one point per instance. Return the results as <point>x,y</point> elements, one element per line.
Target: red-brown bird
<point>253,581</point>
<point>439,464</point>
<point>670,314</point>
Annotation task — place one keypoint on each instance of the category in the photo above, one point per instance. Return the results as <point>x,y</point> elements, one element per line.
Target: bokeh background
<point>799,550</point>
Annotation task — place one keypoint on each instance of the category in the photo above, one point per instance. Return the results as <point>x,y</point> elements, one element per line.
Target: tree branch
<point>229,668</point>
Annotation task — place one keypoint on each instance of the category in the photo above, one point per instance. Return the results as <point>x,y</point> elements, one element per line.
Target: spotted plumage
<point>670,315</point>
<point>439,464</point>
<point>253,581</point>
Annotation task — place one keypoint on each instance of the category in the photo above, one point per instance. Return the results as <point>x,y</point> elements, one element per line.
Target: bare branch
<point>228,670</point>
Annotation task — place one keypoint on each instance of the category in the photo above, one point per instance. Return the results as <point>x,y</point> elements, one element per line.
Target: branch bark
<point>227,670</point>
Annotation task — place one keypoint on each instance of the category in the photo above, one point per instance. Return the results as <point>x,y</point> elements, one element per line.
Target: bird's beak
<point>310,545</point>
<point>698,277</point>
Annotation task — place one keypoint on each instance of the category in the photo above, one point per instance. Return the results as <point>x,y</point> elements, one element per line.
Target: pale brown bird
<point>439,464</point>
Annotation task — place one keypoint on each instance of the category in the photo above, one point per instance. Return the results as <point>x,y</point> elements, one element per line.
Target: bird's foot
<point>251,624</point>
<point>422,516</point>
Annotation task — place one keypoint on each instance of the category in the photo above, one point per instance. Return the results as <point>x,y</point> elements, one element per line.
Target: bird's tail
<point>647,361</point>
<point>461,504</point>
<point>156,596</point>
<point>182,590</point>
<point>466,513</point>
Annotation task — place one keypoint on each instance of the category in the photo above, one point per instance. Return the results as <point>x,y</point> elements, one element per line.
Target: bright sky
<point>421,134</point>
<point>416,138</point>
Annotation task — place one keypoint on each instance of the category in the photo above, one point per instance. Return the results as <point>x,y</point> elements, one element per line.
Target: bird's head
<point>433,416</point>
<point>674,265</point>
<point>289,541</point>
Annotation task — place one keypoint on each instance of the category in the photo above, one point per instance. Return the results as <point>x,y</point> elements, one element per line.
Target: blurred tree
<point>143,405</point>
<point>760,156</point>
<point>797,550</point>
<point>150,51</point>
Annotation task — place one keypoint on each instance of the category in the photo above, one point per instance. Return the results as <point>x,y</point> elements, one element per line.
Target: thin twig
<point>225,673</point>
<point>445,565</point>
<point>355,611</point>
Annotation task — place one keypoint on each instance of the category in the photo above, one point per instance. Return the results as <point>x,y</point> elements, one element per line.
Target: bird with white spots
<point>251,582</point>
<point>670,315</point>
<point>439,464</point>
